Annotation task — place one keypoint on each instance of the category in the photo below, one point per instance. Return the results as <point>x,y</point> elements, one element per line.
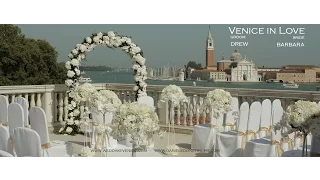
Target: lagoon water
<point>127,78</point>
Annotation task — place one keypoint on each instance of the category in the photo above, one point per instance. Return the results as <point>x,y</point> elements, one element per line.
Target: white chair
<point>4,138</point>
<point>265,123</point>
<point>5,154</point>
<point>4,110</point>
<point>97,119</point>
<point>231,143</point>
<point>254,121</point>
<point>259,147</point>
<point>264,147</point>
<point>204,135</point>
<point>56,148</point>
<point>25,105</point>
<point>231,116</point>
<point>15,119</point>
<point>27,142</point>
<point>147,100</point>
<point>276,117</point>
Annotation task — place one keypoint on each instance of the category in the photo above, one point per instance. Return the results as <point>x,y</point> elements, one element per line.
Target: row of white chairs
<point>38,123</point>
<point>257,138</point>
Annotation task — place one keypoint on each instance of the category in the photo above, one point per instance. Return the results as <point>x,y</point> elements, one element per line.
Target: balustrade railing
<point>53,99</point>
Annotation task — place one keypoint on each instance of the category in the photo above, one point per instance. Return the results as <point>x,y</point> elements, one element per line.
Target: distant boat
<point>290,84</point>
<point>83,72</point>
<point>194,83</point>
<point>85,80</point>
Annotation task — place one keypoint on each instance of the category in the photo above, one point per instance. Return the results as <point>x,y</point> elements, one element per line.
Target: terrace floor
<point>182,140</point>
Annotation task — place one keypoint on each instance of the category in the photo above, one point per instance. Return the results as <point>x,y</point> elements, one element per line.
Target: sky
<point>175,45</point>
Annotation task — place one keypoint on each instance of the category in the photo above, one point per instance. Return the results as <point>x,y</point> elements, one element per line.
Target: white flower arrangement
<point>302,117</point>
<point>82,93</point>
<point>104,101</point>
<point>173,94</point>
<point>111,40</point>
<point>219,101</point>
<point>86,152</point>
<point>135,119</point>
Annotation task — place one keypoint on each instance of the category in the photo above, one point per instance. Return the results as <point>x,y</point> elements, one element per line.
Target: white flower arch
<point>78,54</point>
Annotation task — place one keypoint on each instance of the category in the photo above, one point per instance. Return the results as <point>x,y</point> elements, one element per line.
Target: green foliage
<point>193,64</point>
<point>25,61</point>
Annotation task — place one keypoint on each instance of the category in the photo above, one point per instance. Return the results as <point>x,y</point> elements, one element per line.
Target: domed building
<point>236,56</point>
<point>243,69</point>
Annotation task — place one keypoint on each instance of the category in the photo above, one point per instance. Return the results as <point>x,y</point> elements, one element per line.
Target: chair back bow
<point>252,134</point>
<point>289,141</point>
<point>278,147</point>
<point>266,129</point>
<point>5,124</point>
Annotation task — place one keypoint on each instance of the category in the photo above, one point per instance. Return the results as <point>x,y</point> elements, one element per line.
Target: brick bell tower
<point>210,51</point>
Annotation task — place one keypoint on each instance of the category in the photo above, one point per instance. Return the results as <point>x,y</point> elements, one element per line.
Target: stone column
<point>47,105</point>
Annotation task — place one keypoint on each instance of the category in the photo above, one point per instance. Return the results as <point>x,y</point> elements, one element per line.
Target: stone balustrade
<point>53,99</point>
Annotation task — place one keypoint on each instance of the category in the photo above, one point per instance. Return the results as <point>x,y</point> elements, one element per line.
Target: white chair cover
<point>27,142</point>
<point>38,123</point>
<point>276,103</point>
<point>15,120</point>
<point>277,115</point>
<point>5,154</point>
<point>4,110</point>
<point>204,135</point>
<point>25,106</point>
<point>231,144</point>
<point>230,117</point>
<point>265,124</point>
<point>147,100</point>
<point>97,118</point>
<point>265,147</point>
<point>254,121</point>
<point>4,139</point>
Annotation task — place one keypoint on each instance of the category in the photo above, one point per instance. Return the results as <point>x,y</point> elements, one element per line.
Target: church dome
<point>236,56</point>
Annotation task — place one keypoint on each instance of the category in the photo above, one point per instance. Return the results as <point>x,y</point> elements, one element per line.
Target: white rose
<point>135,50</point>
<point>96,39</point>
<point>75,52</point>
<point>128,41</point>
<point>61,129</point>
<point>77,72</point>
<point>135,88</point>
<point>82,56</point>
<point>75,62</point>
<point>69,82</point>
<point>70,74</point>
<point>111,34</point>
<point>88,40</point>
<point>125,48</point>
<point>139,59</point>
<point>77,122</point>
<point>74,104</point>
<point>69,130</point>
<point>76,112</point>
<point>100,34</point>
<point>106,38</point>
<point>70,56</point>
<point>83,48</point>
<point>68,66</point>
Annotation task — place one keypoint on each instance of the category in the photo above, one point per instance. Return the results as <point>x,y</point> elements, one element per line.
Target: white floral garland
<point>111,40</point>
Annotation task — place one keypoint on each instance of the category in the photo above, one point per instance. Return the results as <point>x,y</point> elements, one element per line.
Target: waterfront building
<point>223,64</point>
<point>268,73</point>
<point>299,75</point>
<point>208,74</point>
<point>243,69</point>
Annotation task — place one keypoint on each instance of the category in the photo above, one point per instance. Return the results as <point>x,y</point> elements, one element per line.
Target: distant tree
<point>26,61</point>
<point>193,64</point>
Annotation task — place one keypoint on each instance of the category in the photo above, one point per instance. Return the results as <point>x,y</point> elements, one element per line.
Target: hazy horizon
<point>175,45</point>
